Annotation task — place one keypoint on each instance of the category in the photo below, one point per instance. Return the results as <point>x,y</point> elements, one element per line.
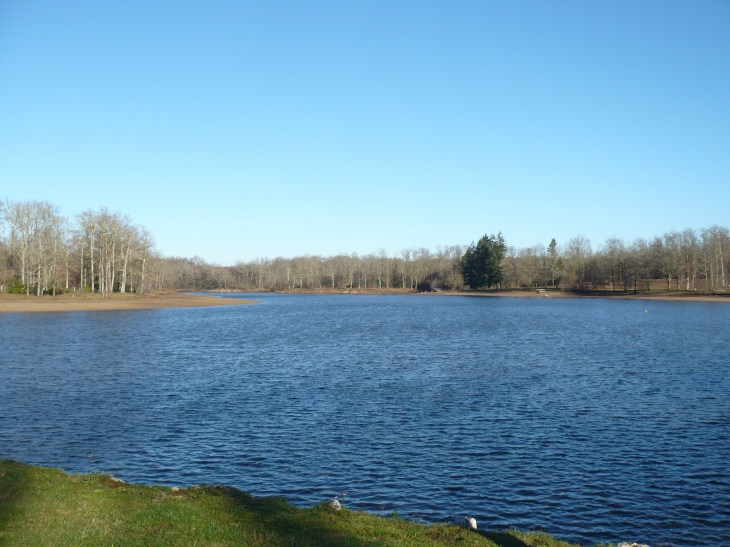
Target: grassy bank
<point>42,506</point>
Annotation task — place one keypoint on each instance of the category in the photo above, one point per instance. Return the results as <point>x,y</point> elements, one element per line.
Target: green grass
<point>43,506</point>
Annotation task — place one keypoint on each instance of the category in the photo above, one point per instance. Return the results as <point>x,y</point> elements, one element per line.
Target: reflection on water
<point>587,418</point>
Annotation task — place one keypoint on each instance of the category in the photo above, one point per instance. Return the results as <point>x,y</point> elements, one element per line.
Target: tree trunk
<point>123,286</point>
<point>91,262</point>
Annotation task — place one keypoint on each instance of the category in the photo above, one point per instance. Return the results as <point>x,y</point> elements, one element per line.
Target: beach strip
<point>17,303</point>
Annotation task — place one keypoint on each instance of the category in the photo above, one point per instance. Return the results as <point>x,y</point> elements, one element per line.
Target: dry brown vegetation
<point>42,252</point>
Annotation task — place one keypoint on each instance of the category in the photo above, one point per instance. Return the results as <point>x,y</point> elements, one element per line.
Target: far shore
<point>18,303</point>
<point>680,296</point>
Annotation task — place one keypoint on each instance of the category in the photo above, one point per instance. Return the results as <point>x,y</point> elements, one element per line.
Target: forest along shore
<point>18,303</point>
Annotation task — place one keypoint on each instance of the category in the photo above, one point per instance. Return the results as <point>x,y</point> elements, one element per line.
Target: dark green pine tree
<point>481,265</point>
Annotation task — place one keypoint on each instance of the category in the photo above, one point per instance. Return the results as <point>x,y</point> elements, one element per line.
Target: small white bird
<point>472,522</point>
<point>336,505</point>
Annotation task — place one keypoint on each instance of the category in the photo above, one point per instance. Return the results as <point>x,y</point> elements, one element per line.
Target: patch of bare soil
<point>17,303</point>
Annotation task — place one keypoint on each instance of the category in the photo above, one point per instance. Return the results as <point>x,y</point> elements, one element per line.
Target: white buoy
<point>472,522</point>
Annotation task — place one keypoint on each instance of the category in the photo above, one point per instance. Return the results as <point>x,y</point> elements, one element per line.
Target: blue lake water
<point>588,418</point>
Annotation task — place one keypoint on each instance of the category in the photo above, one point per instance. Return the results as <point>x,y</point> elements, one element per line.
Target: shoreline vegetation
<point>100,251</point>
<point>17,303</point>
<point>46,506</point>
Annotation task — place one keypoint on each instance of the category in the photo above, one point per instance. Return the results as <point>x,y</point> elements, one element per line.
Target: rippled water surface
<point>590,419</point>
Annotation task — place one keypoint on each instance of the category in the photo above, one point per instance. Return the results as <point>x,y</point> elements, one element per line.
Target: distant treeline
<point>42,252</point>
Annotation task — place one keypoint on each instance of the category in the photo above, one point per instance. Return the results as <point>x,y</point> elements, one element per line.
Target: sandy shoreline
<point>620,296</point>
<point>16,303</point>
<point>550,293</point>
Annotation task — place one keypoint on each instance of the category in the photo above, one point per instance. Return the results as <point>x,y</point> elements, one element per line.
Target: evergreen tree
<point>554,258</point>
<point>482,263</point>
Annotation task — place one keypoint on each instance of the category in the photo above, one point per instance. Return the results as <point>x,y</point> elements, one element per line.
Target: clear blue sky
<point>236,130</point>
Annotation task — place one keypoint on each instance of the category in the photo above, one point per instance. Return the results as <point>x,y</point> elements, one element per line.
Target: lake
<point>588,418</point>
